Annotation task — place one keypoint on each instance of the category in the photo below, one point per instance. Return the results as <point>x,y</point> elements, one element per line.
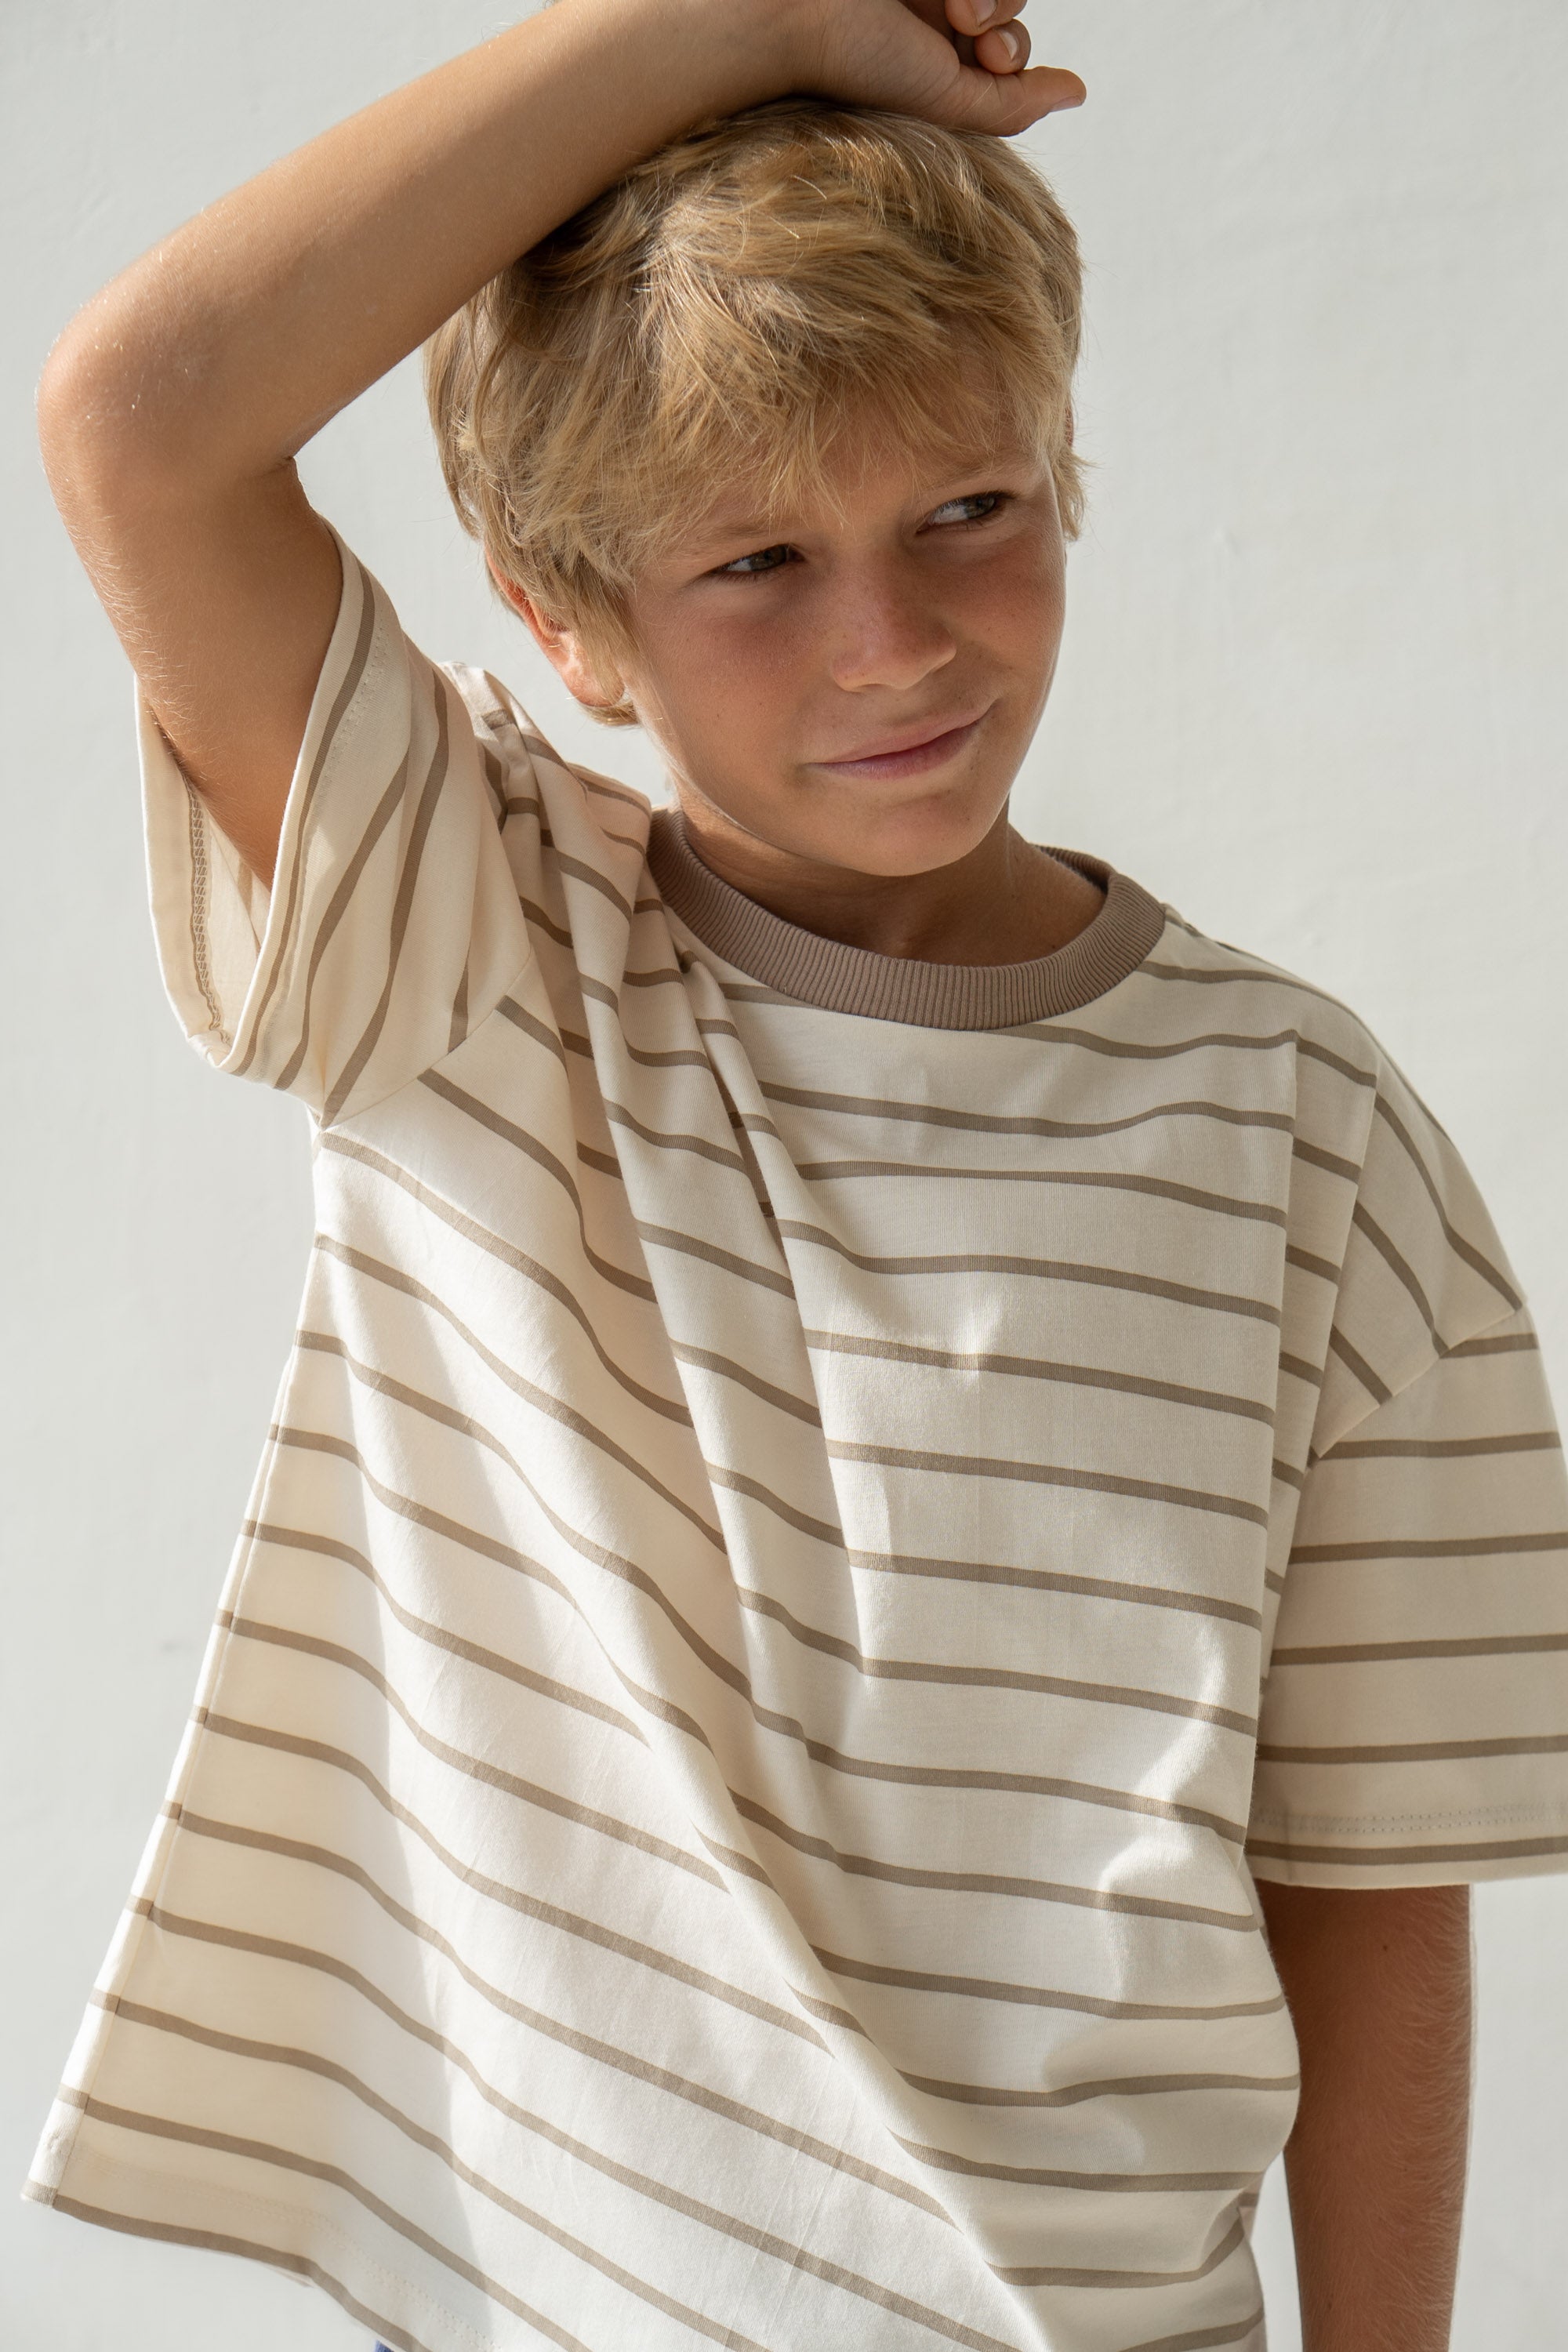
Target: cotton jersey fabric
<point>827,1517</point>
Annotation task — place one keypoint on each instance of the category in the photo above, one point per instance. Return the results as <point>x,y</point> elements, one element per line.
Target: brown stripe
<point>346,694</point>
<point>914,1670</point>
<point>1034,2176</point>
<point>589,875</point>
<point>1243,1041</point>
<point>491,1243</point>
<point>1359,1366</point>
<point>1417,1751</point>
<point>1312,1050</point>
<point>438,1636</point>
<point>402,905</point>
<point>541,919</point>
<point>292,2160</point>
<point>550,1408</point>
<point>839,1964</point>
<point>1044,1473</point>
<point>665,1407</point>
<point>495,776</point>
<point>472,1768</point>
<point>1485,1645</point>
<point>1510,1342</point>
<point>1158,1188</point>
<point>1461,1248</point>
<point>1112,2086</point>
<point>1389,1857</point>
<point>1254,969</point>
<point>1204,2339</point>
<point>894,1352</point>
<point>1301,1371</point>
<point>976,1122</point>
<point>510,1010</point>
<point>1305,1262</point>
<point>1046,1269</point>
<point>980,1883</point>
<point>726,1368</point>
<point>1034,2276</point>
<point>1430,1448</point>
<point>975,1882</point>
<point>337,906</point>
<point>1330,1162</point>
<point>736,1482</point>
<point>688,1245</point>
<point>1433,1548</point>
<point>1404,1273</point>
<point>618,1116</point>
<point>1044,1580</point>
<point>660,976</point>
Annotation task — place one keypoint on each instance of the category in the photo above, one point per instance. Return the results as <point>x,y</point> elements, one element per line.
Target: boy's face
<point>794,673</point>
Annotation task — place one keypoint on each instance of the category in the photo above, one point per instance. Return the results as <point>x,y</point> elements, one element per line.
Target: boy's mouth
<point>910,750</point>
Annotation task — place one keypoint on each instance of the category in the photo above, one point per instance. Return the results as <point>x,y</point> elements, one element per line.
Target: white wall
<point>1312,693</point>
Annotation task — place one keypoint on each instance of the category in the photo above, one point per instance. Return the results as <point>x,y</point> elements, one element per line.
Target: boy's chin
<point>892,843</point>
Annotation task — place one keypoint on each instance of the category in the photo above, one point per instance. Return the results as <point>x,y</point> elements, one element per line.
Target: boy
<point>879,1426</point>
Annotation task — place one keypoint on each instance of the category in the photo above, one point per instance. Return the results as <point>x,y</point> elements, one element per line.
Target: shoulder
<point>1236,985</point>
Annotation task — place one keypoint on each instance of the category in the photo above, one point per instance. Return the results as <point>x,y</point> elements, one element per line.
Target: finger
<point>1003,49</point>
<point>1008,103</point>
<point>973,16</point>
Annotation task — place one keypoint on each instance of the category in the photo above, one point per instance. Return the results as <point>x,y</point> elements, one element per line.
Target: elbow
<point>114,415</point>
<point>89,435</point>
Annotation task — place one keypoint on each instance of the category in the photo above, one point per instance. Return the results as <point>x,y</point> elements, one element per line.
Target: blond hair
<point>725,310</point>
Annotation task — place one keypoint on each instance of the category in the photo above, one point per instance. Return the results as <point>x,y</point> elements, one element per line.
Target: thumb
<point>1007,103</point>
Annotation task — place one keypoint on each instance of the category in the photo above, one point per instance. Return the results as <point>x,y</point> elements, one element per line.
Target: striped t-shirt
<point>826,1518</point>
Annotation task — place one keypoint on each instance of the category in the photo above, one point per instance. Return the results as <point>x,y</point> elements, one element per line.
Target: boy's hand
<point>960,62</point>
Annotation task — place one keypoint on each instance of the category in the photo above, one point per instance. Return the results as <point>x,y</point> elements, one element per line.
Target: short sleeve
<point>1414,1721</point>
<point>392,923</point>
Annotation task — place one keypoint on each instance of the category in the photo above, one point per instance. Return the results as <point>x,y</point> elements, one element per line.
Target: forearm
<point>223,350</point>
<point>1379,1986</point>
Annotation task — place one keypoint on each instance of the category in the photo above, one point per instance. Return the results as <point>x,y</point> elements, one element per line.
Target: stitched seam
<point>201,883</point>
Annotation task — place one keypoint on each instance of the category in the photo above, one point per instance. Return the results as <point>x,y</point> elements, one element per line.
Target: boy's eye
<point>774,558</point>
<point>736,572</point>
<point>992,501</point>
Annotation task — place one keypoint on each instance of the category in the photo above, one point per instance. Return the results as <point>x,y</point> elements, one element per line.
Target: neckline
<point>842,978</point>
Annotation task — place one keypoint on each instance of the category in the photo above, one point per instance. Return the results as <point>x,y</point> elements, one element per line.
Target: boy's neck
<point>1007,901</point>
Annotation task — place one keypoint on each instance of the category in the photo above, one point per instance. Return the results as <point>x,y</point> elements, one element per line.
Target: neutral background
<point>1312,693</point>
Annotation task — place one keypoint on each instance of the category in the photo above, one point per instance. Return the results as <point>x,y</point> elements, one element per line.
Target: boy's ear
<point>559,645</point>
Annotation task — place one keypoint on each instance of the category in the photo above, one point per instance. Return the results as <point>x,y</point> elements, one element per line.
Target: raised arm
<point>173,407</point>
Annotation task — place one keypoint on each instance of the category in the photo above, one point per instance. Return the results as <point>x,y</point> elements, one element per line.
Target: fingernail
<point>1005,34</point>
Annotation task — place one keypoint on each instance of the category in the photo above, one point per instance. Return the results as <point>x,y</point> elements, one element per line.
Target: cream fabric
<point>823,1513</point>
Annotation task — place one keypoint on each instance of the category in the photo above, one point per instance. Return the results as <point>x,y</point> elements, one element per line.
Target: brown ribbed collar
<point>842,978</point>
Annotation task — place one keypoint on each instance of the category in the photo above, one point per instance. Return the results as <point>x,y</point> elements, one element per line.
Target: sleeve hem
<point>1520,1845</point>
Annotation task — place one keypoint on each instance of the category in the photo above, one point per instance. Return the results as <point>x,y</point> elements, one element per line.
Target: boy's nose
<point>886,632</point>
